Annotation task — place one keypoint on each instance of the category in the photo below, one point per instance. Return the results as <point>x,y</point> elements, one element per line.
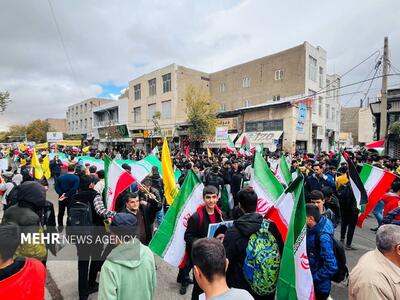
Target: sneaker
<point>374,229</point>
<point>183,290</point>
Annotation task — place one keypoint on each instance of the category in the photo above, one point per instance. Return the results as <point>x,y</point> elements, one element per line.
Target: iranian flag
<point>230,146</point>
<point>295,280</point>
<point>116,181</point>
<point>265,184</point>
<point>92,161</point>
<point>168,242</point>
<point>376,183</point>
<point>283,171</point>
<point>281,211</point>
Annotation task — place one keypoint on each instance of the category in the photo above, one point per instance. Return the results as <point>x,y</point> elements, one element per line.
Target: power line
<point>74,77</point>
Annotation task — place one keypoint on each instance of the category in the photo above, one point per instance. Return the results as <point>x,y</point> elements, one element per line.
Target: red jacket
<point>391,201</point>
<point>27,283</point>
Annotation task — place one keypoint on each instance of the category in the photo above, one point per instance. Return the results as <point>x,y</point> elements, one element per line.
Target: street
<point>62,281</point>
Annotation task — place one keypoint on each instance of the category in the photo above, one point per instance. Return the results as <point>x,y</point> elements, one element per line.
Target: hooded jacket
<point>128,273</point>
<point>27,283</point>
<point>321,255</point>
<point>87,196</point>
<point>235,243</point>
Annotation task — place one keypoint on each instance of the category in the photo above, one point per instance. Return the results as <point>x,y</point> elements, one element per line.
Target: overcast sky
<point>108,43</point>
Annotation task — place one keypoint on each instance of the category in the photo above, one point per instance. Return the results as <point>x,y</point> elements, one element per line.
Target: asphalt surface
<point>62,276</point>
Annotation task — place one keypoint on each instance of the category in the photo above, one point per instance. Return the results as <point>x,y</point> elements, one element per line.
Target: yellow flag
<point>41,146</point>
<point>170,189</point>
<point>46,167</point>
<point>209,153</point>
<point>35,164</point>
<point>85,149</point>
<point>22,147</point>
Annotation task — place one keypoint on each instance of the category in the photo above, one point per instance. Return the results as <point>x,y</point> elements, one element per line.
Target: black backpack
<point>342,272</point>
<point>12,197</point>
<point>80,219</point>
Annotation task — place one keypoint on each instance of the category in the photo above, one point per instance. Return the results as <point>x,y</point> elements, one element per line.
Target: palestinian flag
<point>116,181</point>
<point>376,183</point>
<point>230,146</point>
<point>265,184</point>
<point>356,184</point>
<point>377,146</point>
<point>281,211</point>
<point>295,280</point>
<point>245,148</point>
<point>340,159</point>
<point>283,171</point>
<point>168,242</point>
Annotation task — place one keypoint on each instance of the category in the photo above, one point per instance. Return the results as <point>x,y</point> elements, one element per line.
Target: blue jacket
<point>331,180</point>
<point>321,255</point>
<point>68,184</point>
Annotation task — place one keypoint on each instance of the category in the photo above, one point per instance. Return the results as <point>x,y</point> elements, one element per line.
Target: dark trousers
<point>349,223</point>
<point>89,264</point>
<point>62,205</point>
<point>319,296</point>
<point>183,274</point>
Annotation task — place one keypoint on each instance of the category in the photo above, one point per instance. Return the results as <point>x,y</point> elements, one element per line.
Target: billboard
<point>53,137</point>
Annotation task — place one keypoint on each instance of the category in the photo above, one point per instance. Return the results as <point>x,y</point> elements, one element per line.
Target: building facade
<point>265,95</point>
<point>79,116</point>
<point>157,105</point>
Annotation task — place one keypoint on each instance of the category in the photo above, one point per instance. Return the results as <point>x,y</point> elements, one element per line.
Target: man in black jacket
<point>55,168</point>
<point>197,226</point>
<point>214,178</point>
<point>237,237</point>
<point>316,181</point>
<point>349,212</point>
<point>142,214</point>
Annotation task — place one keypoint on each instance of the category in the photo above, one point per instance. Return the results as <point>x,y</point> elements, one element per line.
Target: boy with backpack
<point>320,251</point>
<point>251,240</point>
<point>197,226</point>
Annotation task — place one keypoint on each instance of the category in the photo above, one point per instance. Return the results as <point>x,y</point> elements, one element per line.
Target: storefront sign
<point>231,123</point>
<point>150,133</point>
<point>221,134</point>
<point>137,135</point>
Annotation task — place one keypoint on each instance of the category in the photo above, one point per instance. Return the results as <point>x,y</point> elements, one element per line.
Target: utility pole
<point>383,123</point>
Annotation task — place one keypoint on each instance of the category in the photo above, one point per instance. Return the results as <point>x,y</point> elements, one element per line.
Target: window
<point>166,109</point>
<point>327,111</point>
<point>85,123</point>
<point>85,107</point>
<point>272,125</point>
<point>137,92</point>
<point>312,68</point>
<point>222,107</point>
<point>222,87</point>
<point>328,87</point>
<point>321,77</point>
<point>151,110</point>
<point>278,74</point>
<point>246,103</point>
<point>320,107</point>
<point>166,81</point>
<point>80,122</point>
<point>152,87</point>
<point>276,98</point>
<point>137,115</point>
<point>246,82</point>
<point>333,114</point>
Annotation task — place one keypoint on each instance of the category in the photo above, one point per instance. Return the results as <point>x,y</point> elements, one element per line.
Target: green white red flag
<point>230,146</point>
<point>116,180</point>
<point>265,184</point>
<point>295,280</point>
<point>283,171</point>
<point>376,183</point>
<point>168,242</point>
<point>245,148</point>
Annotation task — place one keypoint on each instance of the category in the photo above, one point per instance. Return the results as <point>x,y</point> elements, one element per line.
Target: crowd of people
<point>243,262</point>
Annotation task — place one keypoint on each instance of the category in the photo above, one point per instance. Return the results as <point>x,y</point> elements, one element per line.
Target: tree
<point>394,129</point>
<point>4,100</point>
<point>16,133</point>
<point>201,114</point>
<point>36,131</point>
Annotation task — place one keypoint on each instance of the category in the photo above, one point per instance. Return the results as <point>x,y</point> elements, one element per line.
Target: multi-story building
<point>79,116</point>
<point>265,95</point>
<point>162,91</point>
<point>110,122</point>
<point>58,125</point>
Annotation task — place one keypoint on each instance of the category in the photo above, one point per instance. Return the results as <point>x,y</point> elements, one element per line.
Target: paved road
<point>63,275</point>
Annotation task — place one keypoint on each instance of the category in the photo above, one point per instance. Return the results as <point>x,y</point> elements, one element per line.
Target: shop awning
<point>220,143</point>
<point>269,139</point>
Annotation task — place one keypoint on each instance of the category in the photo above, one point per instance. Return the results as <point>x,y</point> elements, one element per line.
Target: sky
<point>57,53</point>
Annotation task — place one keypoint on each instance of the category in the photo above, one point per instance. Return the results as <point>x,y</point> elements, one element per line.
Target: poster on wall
<point>221,133</point>
<point>301,119</point>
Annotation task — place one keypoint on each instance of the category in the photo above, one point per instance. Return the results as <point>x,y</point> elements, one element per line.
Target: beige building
<point>360,122</point>
<point>58,125</point>
<point>265,94</point>
<point>163,91</point>
<point>79,116</point>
